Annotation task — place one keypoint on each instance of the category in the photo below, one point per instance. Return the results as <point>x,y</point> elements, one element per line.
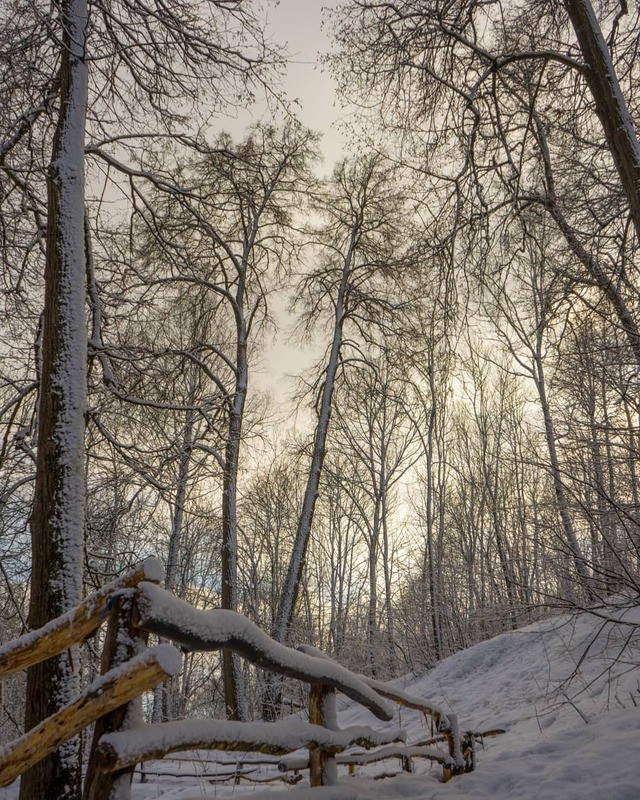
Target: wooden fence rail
<point>158,611</point>
<point>137,606</point>
<point>105,694</point>
<point>73,627</point>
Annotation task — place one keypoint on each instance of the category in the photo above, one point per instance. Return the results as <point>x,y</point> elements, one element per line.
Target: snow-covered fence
<point>160,612</point>
<point>112,690</point>
<point>460,756</point>
<point>405,753</point>
<point>109,692</point>
<point>74,627</point>
<point>137,606</point>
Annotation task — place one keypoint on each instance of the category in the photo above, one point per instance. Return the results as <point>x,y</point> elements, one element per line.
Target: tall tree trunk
<point>372,614</point>
<point>296,563</point>
<point>570,536</point>
<point>386,568</point>
<point>57,521</point>
<point>289,595</point>
<point>164,693</point>
<point>429,570</point>
<point>177,518</point>
<point>611,106</point>
<point>492,480</point>
<point>596,271</point>
<point>235,703</point>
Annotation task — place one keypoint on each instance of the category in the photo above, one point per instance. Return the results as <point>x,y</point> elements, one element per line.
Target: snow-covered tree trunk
<point>430,578</point>
<point>388,589</point>
<point>177,518</point>
<point>57,521</point>
<point>492,443</point>
<point>596,271</point>
<point>296,563</point>
<point>610,103</point>
<point>163,694</point>
<point>571,538</point>
<point>372,611</point>
<point>233,684</point>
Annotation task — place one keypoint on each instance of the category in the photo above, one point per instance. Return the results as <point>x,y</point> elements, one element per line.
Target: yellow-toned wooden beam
<point>73,627</point>
<point>105,694</point>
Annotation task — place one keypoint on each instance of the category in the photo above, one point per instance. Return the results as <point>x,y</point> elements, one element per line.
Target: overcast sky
<point>297,24</point>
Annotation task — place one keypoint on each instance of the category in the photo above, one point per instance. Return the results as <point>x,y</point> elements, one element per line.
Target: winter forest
<point>385,403</point>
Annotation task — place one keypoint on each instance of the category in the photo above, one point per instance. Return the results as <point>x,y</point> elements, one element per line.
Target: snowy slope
<point>567,692</point>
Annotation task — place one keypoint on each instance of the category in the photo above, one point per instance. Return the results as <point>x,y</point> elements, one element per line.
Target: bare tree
<point>122,64</point>
<point>351,287</point>
<point>526,111</point>
<point>374,432</point>
<point>230,239</point>
<point>609,100</point>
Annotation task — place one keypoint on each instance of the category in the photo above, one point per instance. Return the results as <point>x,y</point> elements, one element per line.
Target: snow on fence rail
<point>161,612</point>
<point>105,694</point>
<point>73,627</point>
<point>136,607</point>
<point>460,748</point>
<point>122,749</point>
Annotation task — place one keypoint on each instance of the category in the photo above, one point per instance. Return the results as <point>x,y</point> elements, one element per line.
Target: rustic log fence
<point>135,606</point>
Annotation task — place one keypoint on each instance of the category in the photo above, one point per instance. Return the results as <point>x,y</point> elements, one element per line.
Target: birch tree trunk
<point>57,521</point>
<point>233,685</point>
<point>296,563</point>
<point>361,243</point>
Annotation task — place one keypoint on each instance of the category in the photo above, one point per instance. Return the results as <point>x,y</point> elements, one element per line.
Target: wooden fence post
<point>407,764</point>
<point>122,643</point>
<point>322,711</point>
<point>456,763</point>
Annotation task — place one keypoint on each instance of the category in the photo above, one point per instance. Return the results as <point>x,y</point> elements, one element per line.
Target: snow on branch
<point>122,749</point>
<point>73,627</point>
<point>162,613</point>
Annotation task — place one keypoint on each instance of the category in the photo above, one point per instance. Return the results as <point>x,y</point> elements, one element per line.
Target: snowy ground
<point>566,691</point>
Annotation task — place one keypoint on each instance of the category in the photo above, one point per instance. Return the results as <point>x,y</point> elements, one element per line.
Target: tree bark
<point>235,702</point>
<point>610,104</point>
<point>571,538</point>
<point>323,770</point>
<point>57,521</point>
<point>296,563</point>
<point>122,643</point>
<point>164,695</point>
